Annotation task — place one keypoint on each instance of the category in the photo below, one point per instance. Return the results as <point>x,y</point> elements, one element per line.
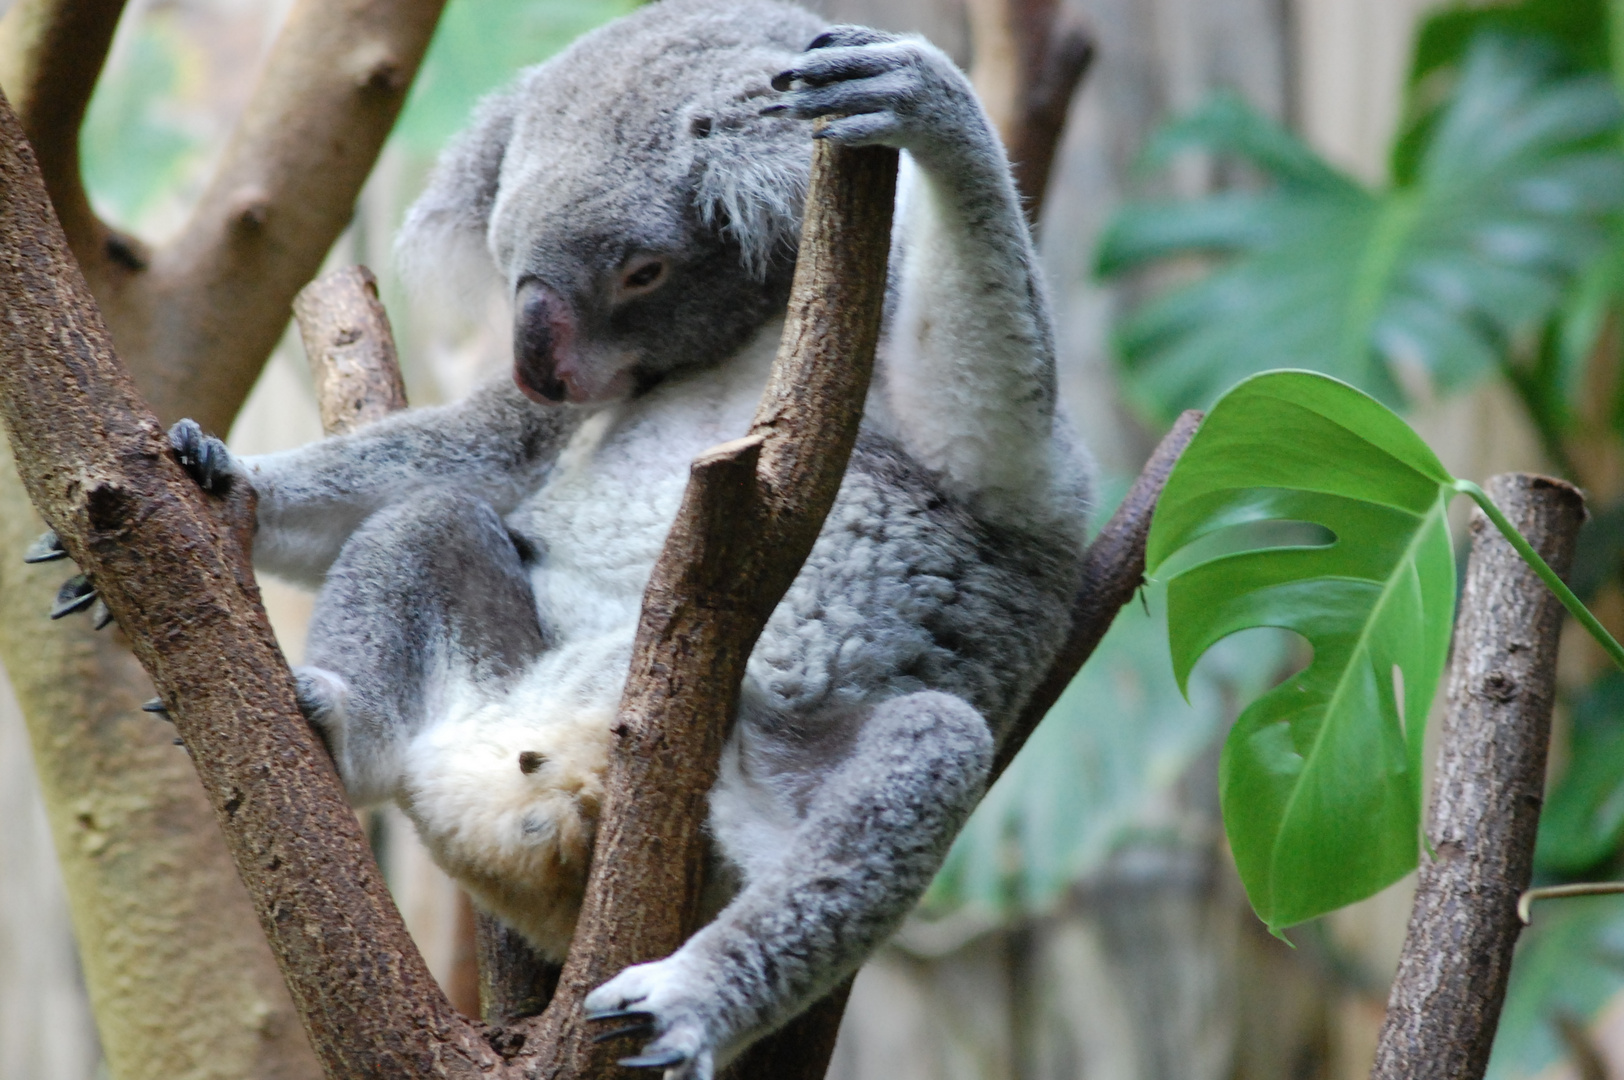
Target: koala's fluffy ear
<point>752,174</point>
<point>441,244</point>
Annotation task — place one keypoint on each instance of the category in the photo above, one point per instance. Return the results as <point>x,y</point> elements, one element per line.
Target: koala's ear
<point>441,244</point>
<point>752,174</point>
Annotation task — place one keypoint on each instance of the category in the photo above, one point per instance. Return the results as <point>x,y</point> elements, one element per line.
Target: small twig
<point>1445,1000</point>
<point>1558,892</point>
<point>351,349</point>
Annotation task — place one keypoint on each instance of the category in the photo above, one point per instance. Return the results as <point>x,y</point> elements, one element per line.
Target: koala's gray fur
<point>482,564</point>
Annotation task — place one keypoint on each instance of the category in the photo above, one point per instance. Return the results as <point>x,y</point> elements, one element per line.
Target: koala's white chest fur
<point>520,840</point>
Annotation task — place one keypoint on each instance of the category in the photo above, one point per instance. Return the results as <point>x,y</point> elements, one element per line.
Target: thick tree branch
<point>97,464</point>
<point>1030,57</point>
<point>1489,781</point>
<point>751,513</point>
<point>51,52</point>
<point>211,306</point>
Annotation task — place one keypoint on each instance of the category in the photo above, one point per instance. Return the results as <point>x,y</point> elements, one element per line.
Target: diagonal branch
<point>752,510</point>
<point>196,318</point>
<point>97,465</point>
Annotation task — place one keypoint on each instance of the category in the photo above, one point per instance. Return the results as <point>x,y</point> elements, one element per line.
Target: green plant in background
<point>1432,280</point>
<point>1496,250</point>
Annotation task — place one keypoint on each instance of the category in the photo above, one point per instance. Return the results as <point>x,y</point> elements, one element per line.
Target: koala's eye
<point>642,276</point>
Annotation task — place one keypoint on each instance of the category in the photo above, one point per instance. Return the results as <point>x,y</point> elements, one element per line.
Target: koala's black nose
<point>542,327</point>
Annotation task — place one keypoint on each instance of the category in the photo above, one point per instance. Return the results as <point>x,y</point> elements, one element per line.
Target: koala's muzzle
<point>543,331</point>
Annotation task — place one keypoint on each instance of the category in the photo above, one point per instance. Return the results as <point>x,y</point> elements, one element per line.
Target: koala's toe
<point>204,457</point>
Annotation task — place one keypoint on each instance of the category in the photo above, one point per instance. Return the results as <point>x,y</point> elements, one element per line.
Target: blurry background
<point>1423,198</point>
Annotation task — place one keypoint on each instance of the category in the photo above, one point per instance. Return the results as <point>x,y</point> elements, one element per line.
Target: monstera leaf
<point>1320,778</point>
<point>1426,283</point>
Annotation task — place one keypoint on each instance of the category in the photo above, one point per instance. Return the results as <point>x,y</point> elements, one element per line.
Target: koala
<point>481,565</point>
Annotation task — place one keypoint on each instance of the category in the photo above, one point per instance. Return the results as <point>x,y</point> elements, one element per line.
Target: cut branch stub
<point>1451,982</point>
<point>98,466</point>
<point>752,510</point>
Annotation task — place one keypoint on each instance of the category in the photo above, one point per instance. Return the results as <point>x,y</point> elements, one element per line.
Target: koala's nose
<point>543,329</point>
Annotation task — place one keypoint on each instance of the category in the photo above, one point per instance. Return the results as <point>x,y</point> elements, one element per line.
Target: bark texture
<point>174,570</point>
<point>1488,787</point>
<point>750,515</point>
<point>181,980</point>
<point>351,349</point>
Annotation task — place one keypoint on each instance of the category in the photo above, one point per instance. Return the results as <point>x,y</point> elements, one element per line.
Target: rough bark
<point>750,515</point>
<point>1030,57</point>
<point>174,570</point>
<point>351,349</point>
<point>181,981</point>
<point>1489,783</point>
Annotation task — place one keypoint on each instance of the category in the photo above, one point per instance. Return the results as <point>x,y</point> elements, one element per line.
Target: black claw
<point>178,741</point>
<point>156,706</point>
<point>630,1029</point>
<point>101,616</point>
<point>782,80</point>
<point>48,548</point>
<point>76,594</point>
<point>774,110</point>
<point>654,1061</point>
<point>618,1014</point>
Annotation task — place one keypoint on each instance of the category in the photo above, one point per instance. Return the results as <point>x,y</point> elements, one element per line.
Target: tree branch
<point>351,349</point>
<point>1489,780</point>
<point>51,52</point>
<point>748,520</point>
<point>97,464</point>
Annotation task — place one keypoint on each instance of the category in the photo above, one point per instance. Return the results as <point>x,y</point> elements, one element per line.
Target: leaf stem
<point>1546,574</point>
<point>1557,892</point>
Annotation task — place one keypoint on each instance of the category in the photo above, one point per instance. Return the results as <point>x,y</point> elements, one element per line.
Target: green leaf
<point>1320,778</point>
<point>1429,282</point>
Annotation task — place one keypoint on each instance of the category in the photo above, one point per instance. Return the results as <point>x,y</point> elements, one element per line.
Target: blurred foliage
<point>480,45</point>
<point>1431,281</point>
<point>1570,963</point>
<point>133,146</point>
<point>1583,819</point>
<point>1320,779</point>
<point>148,129</point>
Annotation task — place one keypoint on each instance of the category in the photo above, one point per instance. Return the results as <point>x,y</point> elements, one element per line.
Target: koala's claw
<point>48,548</point>
<point>662,1060</point>
<point>101,616</point>
<point>157,707</point>
<point>204,457</point>
<point>643,1027</point>
<point>76,594</point>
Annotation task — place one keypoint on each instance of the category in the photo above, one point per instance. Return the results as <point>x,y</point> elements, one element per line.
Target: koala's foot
<point>76,594</point>
<point>878,89</point>
<point>48,548</point>
<point>667,1003</point>
<point>204,457</point>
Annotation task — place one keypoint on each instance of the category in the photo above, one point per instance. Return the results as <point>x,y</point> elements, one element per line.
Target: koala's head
<point>640,211</point>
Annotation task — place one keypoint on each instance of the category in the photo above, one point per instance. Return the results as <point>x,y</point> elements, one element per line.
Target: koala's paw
<point>661,1000</point>
<point>879,89</point>
<point>204,457</point>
